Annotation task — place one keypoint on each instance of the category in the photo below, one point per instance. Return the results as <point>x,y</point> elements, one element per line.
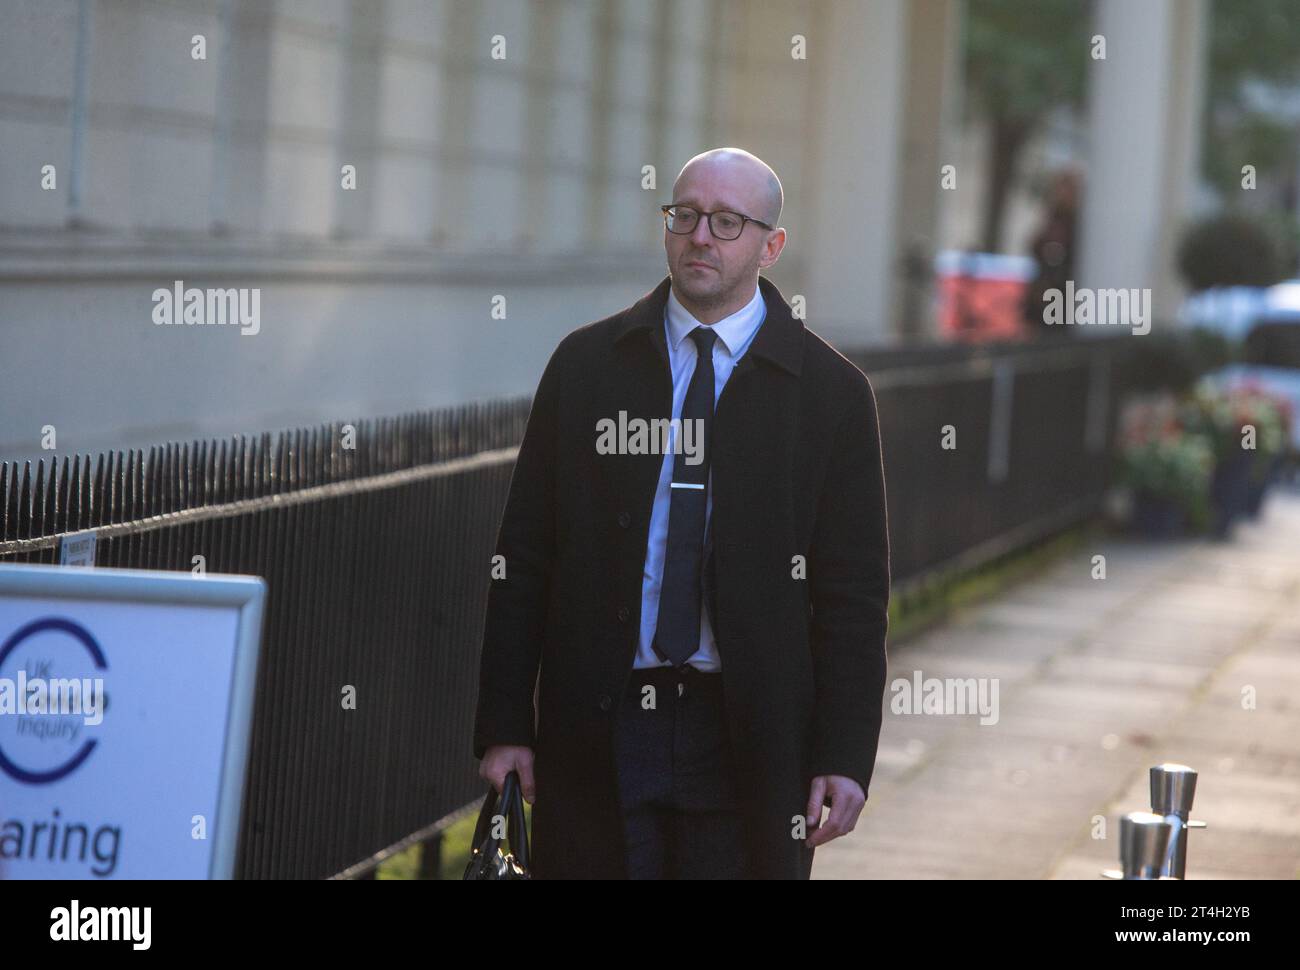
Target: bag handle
<point>513,809</point>
<point>516,826</point>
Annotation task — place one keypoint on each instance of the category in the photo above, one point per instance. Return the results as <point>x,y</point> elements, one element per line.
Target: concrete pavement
<point>1098,680</point>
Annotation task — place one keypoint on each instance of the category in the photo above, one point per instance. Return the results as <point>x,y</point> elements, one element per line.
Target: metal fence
<point>376,559</point>
<point>1030,430</point>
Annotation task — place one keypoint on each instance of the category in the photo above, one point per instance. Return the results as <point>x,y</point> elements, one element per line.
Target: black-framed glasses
<point>724,224</point>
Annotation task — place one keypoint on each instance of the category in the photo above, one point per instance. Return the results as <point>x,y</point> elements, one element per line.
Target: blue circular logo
<point>81,634</point>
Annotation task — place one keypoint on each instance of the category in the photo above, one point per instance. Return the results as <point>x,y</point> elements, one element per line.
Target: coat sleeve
<point>517,604</point>
<point>849,575</point>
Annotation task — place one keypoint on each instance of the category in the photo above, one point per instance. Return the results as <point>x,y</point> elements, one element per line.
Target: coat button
<point>624,520</point>
<point>606,702</point>
<point>623,614</point>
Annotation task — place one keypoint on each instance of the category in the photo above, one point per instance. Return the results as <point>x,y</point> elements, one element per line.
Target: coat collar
<point>779,338</point>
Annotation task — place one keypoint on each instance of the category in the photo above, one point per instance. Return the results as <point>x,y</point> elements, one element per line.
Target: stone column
<point>1145,102</point>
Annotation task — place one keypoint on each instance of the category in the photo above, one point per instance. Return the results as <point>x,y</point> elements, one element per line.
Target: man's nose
<point>702,236</point>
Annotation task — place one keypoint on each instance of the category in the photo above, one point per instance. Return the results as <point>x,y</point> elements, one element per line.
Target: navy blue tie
<point>677,636</point>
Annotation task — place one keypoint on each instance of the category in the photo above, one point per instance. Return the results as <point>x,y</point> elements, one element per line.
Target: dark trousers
<point>679,797</point>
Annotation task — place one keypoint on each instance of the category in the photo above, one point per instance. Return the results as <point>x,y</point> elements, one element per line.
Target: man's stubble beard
<point>710,298</point>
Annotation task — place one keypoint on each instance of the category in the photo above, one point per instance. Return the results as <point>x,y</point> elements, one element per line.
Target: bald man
<point>708,605</point>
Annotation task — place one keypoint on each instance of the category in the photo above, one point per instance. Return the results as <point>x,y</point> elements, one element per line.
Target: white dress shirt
<point>734,335</point>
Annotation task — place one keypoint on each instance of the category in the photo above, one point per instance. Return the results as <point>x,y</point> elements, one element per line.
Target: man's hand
<point>501,759</point>
<point>847,799</point>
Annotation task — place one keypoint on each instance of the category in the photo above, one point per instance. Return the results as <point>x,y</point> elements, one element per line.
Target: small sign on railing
<point>77,549</point>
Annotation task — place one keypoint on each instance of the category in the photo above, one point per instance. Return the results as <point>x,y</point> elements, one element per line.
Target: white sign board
<point>126,700</point>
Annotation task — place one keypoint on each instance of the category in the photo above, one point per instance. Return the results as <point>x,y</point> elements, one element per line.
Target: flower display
<point>1200,460</point>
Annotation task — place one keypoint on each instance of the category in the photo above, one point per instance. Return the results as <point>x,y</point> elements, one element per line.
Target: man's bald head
<point>745,174</point>
<point>715,277</point>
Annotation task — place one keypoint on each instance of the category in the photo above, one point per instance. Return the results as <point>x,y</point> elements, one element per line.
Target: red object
<point>981,308</point>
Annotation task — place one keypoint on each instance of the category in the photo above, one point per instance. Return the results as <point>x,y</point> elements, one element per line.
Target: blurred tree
<point>1229,249</point>
<point>1252,41</point>
<point>1023,59</point>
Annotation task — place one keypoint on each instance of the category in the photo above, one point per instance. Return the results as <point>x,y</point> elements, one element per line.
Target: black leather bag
<point>487,861</point>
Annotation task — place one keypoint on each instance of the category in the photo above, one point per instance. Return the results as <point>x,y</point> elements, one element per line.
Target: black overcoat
<point>797,580</point>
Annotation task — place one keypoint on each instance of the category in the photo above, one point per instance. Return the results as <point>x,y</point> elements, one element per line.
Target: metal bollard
<point>1153,845</point>
<point>1143,845</point>
<point>1172,789</point>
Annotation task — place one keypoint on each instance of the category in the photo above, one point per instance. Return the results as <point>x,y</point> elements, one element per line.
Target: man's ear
<point>765,265</point>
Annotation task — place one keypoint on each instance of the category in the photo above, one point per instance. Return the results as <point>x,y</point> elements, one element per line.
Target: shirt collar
<point>734,331</point>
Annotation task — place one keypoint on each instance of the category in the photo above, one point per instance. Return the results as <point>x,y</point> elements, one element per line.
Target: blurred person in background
<point>1053,248</point>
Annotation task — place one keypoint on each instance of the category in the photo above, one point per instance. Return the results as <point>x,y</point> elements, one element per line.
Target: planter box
<point>1256,490</point>
<point>1158,517</point>
<point>1230,490</point>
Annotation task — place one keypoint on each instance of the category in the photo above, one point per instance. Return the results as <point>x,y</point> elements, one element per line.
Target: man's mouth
<point>698,263</point>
